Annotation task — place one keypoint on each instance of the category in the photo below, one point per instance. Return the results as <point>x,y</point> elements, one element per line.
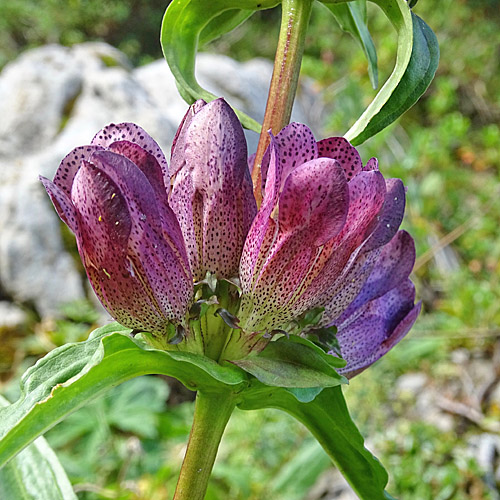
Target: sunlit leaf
<point>328,419</point>
<point>74,374</point>
<point>416,64</point>
<point>289,364</point>
<point>35,474</point>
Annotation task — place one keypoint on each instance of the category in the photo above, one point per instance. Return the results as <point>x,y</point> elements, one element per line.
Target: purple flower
<point>158,243</point>
<point>113,194</point>
<point>326,236</point>
<point>212,194</point>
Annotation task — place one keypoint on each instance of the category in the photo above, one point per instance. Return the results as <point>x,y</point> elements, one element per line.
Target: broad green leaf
<point>416,63</point>
<point>74,374</point>
<point>186,24</point>
<point>399,14</point>
<point>331,360</point>
<point>35,474</point>
<point>291,364</point>
<point>328,419</point>
<point>223,23</point>
<point>352,18</point>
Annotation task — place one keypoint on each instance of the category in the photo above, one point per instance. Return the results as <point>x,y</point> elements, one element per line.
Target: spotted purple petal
<point>315,197</point>
<point>341,150</point>
<point>312,210</point>
<point>113,196</point>
<point>371,164</point>
<point>293,146</point>
<point>132,133</point>
<point>62,203</point>
<point>70,164</point>
<point>382,324</point>
<point>212,194</point>
<point>390,216</point>
<point>343,279</point>
<point>296,146</point>
<point>134,270</point>
<point>393,266</point>
<point>324,265</point>
<point>366,196</point>
<point>103,248</point>
<point>177,157</point>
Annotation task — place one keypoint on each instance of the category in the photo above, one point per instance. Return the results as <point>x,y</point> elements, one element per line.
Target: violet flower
<point>326,236</point>
<point>113,194</point>
<point>160,244</point>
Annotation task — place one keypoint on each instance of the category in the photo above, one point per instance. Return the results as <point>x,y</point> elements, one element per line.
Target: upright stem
<point>294,20</point>
<point>211,414</point>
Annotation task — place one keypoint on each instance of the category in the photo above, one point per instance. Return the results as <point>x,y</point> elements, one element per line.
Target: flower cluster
<point>184,253</point>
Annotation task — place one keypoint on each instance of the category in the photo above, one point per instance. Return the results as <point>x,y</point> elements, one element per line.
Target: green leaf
<point>304,394</point>
<point>416,63</point>
<point>35,474</point>
<point>74,374</point>
<point>186,24</point>
<point>328,419</point>
<point>331,360</point>
<point>291,364</point>
<point>352,18</point>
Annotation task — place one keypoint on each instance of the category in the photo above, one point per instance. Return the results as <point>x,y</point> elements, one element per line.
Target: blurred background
<point>431,408</point>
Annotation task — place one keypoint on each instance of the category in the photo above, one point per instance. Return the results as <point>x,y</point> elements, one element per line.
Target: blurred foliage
<point>130,444</point>
<point>133,26</point>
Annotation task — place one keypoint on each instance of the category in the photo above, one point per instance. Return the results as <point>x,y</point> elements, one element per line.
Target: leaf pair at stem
<point>75,374</point>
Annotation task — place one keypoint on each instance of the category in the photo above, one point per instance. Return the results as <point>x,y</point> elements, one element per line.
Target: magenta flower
<point>113,194</point>
<point>326,236</point>
<point>158,243</point>
<point>212,192</point>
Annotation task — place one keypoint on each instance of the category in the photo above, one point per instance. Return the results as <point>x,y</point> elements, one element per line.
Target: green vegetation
<point>132,26</point>
<point>447,151</point>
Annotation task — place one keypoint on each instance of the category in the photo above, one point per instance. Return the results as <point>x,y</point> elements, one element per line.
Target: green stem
<point>294,21</point>
<point>211,414</point>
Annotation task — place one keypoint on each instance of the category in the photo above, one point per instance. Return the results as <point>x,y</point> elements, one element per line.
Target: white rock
<point>34,267</point>
<point>243,85</point>
<point>11,315</point>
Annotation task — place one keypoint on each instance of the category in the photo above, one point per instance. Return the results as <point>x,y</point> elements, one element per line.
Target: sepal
<point>293,362</point>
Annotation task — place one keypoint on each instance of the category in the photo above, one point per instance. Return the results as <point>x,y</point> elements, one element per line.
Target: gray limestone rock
<point>11,316</point>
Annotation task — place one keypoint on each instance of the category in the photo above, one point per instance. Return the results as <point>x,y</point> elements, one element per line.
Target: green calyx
<point>209,323</point>
<point>301,354</point>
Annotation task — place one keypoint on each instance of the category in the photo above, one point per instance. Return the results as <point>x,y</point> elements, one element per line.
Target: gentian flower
<point>326,236</point>
<point>183,254</point>
<point>113,194</point>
